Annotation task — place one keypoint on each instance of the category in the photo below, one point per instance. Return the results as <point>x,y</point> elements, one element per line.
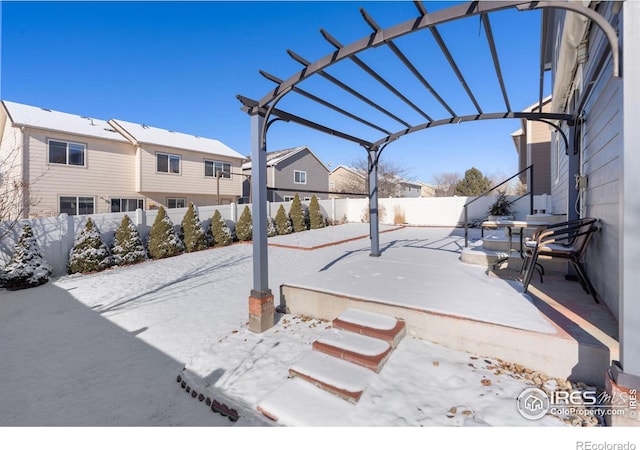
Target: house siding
<point>317,177</point>
<point>601,152</point>
<point>109,171</point>
<point>191,179</point>
<point>11,157</point>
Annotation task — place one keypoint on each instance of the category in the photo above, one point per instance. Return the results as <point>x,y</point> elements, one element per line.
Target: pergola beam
<point>252,108</point>
<point>402,57</point>
<point>496,60</point>
<point>348,89</point>
<point>447,54</point>
<point>333,41</point>
<point>325,103</point>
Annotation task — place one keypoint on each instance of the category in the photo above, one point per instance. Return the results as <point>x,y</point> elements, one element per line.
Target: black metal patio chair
<point>566,240</point>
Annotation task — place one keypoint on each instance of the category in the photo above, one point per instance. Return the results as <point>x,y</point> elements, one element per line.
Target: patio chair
<point>566,240</point>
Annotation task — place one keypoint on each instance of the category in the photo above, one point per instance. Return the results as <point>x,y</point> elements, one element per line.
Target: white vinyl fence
<point>56,235</point>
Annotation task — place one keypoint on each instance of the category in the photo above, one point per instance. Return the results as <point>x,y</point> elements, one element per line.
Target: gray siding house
<point>292,171</point>
<point>603,154</point>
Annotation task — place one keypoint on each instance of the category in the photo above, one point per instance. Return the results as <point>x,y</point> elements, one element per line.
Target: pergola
<point>265,111</point>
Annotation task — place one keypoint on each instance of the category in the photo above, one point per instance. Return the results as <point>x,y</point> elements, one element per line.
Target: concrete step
<point>297,403</point>
<point>363,350</point>
<point>372,324</point>
<point>479,256</point>
<point>339,377</point>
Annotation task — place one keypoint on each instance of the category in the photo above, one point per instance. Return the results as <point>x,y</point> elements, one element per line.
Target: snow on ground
<point>104,349</point>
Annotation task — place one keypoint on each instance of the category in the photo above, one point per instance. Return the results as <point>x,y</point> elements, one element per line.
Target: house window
<point>212,168</point>
<point>306,199</point>
<point>126,204</point>
<point>77,205</point>
<point>288,198</point>
<point>176,203</point>
<point>299,177</point>
<point>67,153</point>
<point>166,163</point>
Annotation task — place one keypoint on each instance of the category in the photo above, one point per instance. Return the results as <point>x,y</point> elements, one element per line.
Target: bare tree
<point>445,183</point>
<point>16,196</point>
<point>390,174</point>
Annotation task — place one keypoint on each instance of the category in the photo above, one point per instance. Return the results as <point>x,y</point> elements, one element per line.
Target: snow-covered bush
<point>192,231</point>
<point>89,252</point>
<point>27,267</point>
<point>271,227</point>
<point>220,232</point>
<point>316,219</point>
<point>127,246</point>
<point>296,214</point>
<point>283,224</point>
<point>244,226</point>
<point>163,241</point>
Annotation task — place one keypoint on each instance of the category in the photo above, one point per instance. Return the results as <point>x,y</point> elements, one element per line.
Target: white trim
<point>78,197</point>
<point>169,155</point>
<point>295,172</point>
<point>184,200</point>
<point>68,143</point>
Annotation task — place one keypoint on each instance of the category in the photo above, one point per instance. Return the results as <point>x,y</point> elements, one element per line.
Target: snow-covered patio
<point>106,348</point>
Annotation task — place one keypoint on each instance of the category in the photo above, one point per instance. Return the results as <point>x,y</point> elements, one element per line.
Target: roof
<point>350,169</point>
<point>144,134</point>
<point>275,158</point>
<point>46,119</point>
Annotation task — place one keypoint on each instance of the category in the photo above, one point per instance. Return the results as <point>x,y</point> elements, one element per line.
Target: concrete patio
<point>556,328</point>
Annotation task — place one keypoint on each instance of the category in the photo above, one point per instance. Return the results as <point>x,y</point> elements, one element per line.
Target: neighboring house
<point>533,145</point>
<point>346,181</point>
<point>406,188</point>
<point>292,171</point>
<point>79,165</point>
<point>426,190</point>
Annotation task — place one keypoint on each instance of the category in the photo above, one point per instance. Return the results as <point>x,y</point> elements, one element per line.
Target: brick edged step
<point>371,324</point>
<point>342,378</point>
<point>298,403</point>
<point>363,350</point>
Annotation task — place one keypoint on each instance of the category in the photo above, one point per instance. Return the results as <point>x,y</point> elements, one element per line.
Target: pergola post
<point>374,229</point>
<point>261,307</point>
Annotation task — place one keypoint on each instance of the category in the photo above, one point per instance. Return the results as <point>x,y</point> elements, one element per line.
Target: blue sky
<point>180,65</point>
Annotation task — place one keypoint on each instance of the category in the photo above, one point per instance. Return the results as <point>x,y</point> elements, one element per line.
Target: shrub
<point>316,219</point>
<point>127,246</point>
<point>271,227</point>
<point>192,231</point>
<point>163,241</point>
<point>398,215</point>
<point>244,227</point>
<point>381,213</point>
<point>89,252</point>
<point>283,224</point>
<point>296,214</point>
<point>27,267</point>
<point>220,232</point>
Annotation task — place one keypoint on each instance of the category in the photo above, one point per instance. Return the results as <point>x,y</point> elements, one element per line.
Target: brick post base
<point>622,390</point>
<point>261,311</point>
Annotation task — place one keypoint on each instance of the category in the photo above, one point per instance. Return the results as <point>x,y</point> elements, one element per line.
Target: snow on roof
<point>46,119</point>
<point>275,158</point>
<point>141,133</point>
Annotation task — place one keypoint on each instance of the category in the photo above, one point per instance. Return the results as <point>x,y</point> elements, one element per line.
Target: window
<point>176,203</point>
<point>166,163</point>
<point>77,205</point>
<point>299,177</point>
<point>288,198</point>
<point>126,204</point>
<point>67,153</point>
<point>212,168</point>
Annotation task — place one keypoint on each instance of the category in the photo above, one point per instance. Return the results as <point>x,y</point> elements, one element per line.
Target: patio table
<point>510,225</point>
